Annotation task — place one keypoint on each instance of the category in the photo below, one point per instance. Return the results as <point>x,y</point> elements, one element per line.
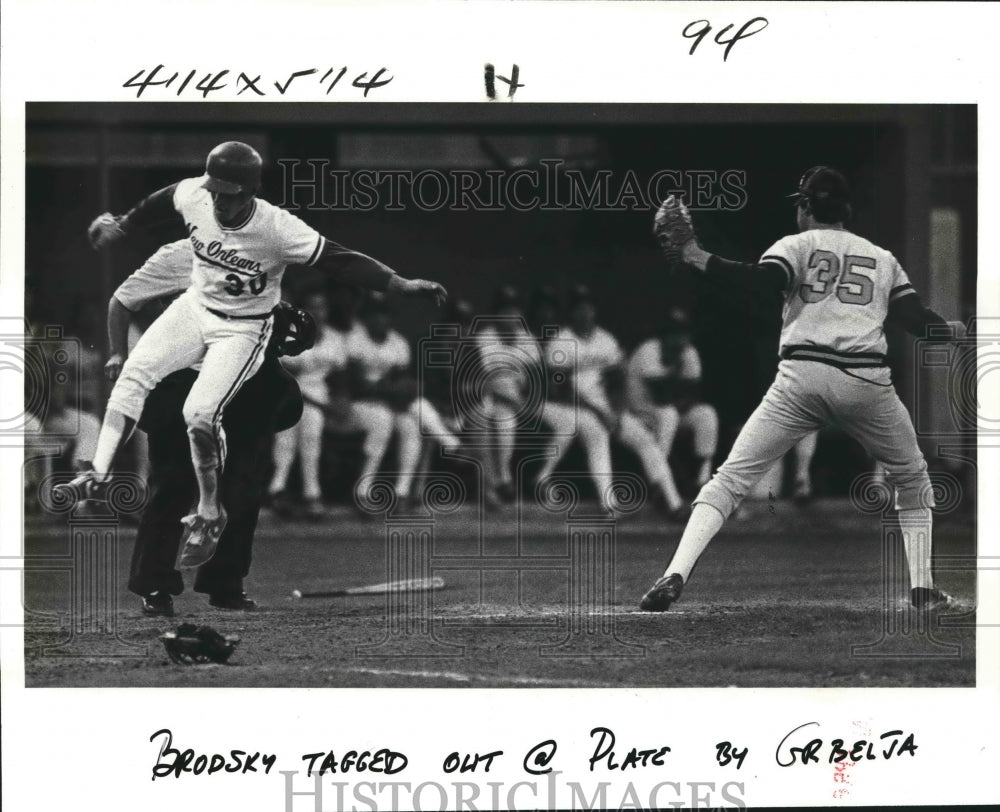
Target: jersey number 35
<point>853,286</point>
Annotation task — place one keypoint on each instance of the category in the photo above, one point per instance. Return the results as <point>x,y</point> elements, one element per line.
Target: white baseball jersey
<point>166,273</point>
<point>312,366</point>
<point>647,362</point>
<point>162,277</point>
<point>237,270</point>
<point>377,359</point>
<point>594,355</point>
<point>505,360</point>
<point>354,329</point>
<point>839,289</point>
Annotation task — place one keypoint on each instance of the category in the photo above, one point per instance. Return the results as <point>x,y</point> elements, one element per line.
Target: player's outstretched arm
<point>751,286</point>
<point>361,269</point>
<point>675,232</point>
<point>108,228</point>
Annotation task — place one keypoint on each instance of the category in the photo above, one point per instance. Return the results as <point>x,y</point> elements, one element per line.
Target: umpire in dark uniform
<point>269,402</point>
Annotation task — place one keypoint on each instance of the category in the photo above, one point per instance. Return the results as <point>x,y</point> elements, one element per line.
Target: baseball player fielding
<point>839,290</point>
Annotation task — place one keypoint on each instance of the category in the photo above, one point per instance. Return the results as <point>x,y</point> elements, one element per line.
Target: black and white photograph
<point>504,447</point>
<point>502,387</point>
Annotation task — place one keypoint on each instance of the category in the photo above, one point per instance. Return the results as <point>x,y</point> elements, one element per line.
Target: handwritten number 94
<point>700,29</point>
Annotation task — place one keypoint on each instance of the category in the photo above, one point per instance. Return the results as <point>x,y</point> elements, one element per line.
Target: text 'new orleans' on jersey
<point>238,270</point>
<point>839,289</point>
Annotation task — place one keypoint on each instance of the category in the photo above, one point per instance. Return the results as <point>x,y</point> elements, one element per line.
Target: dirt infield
<point>778,600</point>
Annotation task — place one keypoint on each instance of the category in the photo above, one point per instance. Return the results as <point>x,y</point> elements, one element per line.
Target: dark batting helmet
<point>827,192</point>
<point>233,168</point>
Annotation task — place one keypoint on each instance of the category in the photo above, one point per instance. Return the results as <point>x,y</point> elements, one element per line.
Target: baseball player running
<point>267,402</point>
<point>242,245</point>
<point>838,289</point>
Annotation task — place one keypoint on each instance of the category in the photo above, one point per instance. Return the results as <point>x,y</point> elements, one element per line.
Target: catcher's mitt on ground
<point>672,229</point>
<point>198,644</point>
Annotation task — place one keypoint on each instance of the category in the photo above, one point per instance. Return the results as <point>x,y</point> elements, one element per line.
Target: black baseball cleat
<point>233,601</point>
<point>663,593</point>
<point>158,604</point>
<point>930,600</point>
<point>201,538</point>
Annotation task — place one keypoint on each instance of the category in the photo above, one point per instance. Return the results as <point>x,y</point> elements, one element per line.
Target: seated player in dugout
<point>507,354</point>
<point>596,372</point>
<point>269,402</point>
<point>321,372</point>
<point>560,412</point>
<point>543,313</point>
<point>839,290</point>
<point>512,367</point>
<point>664,392</point>
<point>59,434</point>
<point>385,400</point>
<point>242,246</point>
<point>454,389</point>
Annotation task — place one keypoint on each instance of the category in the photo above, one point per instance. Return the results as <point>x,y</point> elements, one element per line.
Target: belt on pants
<point>834,358</point>
<point>231,316</point>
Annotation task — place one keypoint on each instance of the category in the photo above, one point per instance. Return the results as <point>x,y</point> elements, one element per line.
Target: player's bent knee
<point>377,437</point>
<point>704,415</point>
<point>419,406</point>
<point>198,419</point>
<point>724,493</point>
<point>128,396</point>
<point>913,490</point>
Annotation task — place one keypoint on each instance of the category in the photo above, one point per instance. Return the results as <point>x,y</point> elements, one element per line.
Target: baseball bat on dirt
<point>412,585</point>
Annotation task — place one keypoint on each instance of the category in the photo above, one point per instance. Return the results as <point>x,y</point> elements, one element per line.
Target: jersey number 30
<point>237,284</point>
<point>853,286</point>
